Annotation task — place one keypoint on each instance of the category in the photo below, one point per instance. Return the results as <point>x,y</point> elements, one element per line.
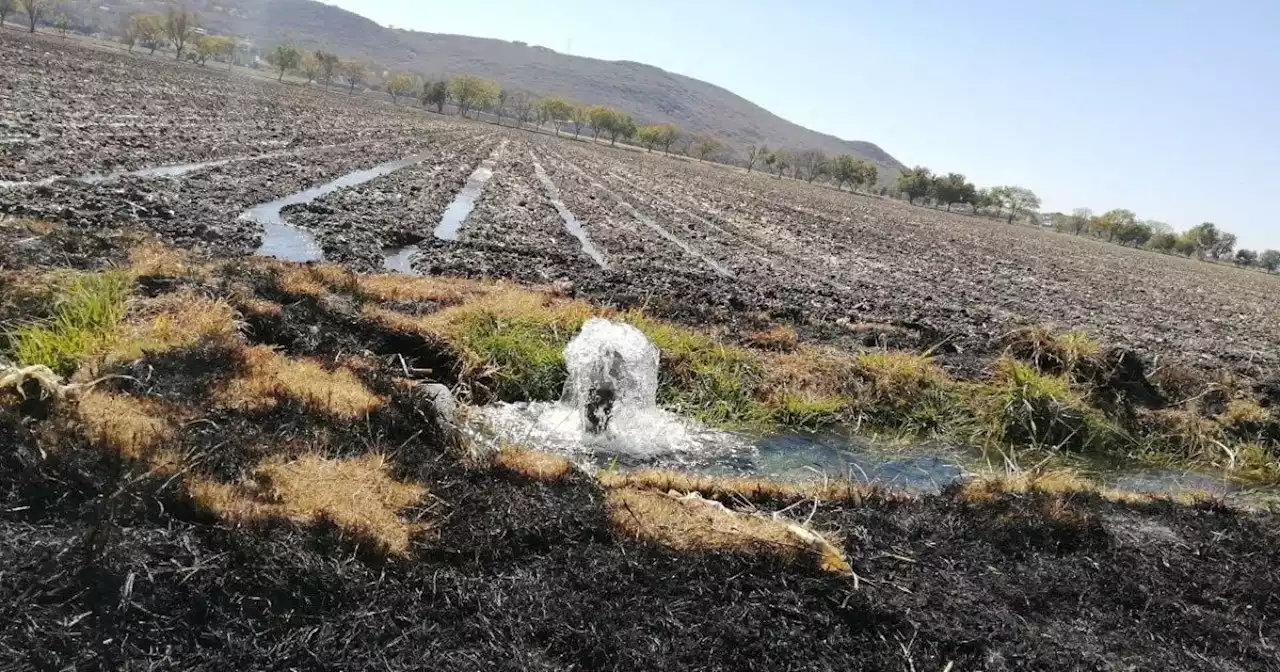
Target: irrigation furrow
<point>571,223</point>
<point>456,214</point>
<point>651,224</point>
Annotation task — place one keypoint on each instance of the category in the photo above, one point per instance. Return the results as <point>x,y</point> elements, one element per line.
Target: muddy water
<point>571,223</point>
<point>456,214</point>
<point>291,243</point>
<point>400,260</point>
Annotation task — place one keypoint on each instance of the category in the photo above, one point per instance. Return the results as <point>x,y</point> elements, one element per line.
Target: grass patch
<point>358,495</point>
<point>269,377</point>
<point>533,465</point>
<point>1021,407</point>
<point>906,392</point>
<point>693,524</point>
<point>133,427</point>
<point>86,312</point>
<point>1052,352</point>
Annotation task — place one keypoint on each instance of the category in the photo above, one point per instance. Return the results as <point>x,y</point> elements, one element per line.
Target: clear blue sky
<point>1170,108</point>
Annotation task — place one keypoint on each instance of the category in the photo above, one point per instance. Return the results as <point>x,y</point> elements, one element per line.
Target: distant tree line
<point>468,94</point>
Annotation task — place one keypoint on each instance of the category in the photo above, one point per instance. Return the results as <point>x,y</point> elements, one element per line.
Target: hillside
<point>651,94</point>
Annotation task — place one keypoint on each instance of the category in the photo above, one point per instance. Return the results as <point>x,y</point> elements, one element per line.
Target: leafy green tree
<point>309,67</point>
<point>867,174</point>
<point>1080,220</point>
<point>1186,245</point>
<point>470,92</point>
<point>1112,222</point>
<point>402,84</point>
<point>954,188</point>
<point>1017,200</point>
<point>1269,261</point>
<point>1164,241</point>
<point>211,46</point>
<point>844,169</point>
<point>435,93</point>
<point>179,26</point>
<point>579,116</point>
<point>62,23</point>
<point>556,111</point>
<point>915,183</point>
<point>779,160</point>
<point>1246,258</point>
<point>621,126</point>
<point>649,136</point>
<point>599,118</point>
<point>1223,247</point>
<point>707,147</point>
<point>285,58</point>
<point>670,134</point>
<point>354,73</point>
<point>1134,233</point>
<point>150,29</point>
<point>1206,237</point>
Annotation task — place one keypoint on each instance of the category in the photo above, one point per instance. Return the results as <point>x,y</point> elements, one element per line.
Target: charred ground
<point>169,516</point>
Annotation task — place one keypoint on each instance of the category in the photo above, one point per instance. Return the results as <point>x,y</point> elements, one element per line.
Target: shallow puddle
<point>400,260</point>
<point>292,243</point>
<point>456,214</point>
<point>571,223</point>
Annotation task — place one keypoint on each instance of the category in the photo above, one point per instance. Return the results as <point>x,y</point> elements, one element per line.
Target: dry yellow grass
<point>152,258</point>
<point>270,377</point>
<point>731,489</point>
<point>171,322</point>
<point>357,495</point>
<point>692,524</point>
<point>444,291</point>
<point>780,338</point>
<point>136,428</point>
<point>1059,482</point>
<point>1245,412</point>
<point>533,465</point>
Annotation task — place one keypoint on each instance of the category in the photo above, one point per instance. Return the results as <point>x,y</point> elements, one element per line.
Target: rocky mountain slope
<point>650,94</point>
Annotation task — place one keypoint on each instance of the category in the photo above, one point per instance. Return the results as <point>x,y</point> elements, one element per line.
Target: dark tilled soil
<point>842,268</point>
<point>106,568</point>
<point>517,575</point>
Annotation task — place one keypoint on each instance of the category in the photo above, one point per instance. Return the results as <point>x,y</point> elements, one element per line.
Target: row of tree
<point>1204,241</point>
<point>469,93</point>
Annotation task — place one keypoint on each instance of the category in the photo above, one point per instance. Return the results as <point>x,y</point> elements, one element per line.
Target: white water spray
<point>609,405</point>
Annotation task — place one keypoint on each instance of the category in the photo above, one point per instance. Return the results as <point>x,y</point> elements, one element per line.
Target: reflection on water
<point>291,243</point>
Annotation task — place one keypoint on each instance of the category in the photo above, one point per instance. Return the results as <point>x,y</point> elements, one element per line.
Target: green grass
<point>1021,407</point>
<point>522,358</point>
<point>85,312</point>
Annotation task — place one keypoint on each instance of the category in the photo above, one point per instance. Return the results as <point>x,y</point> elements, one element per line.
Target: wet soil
<point>735,250</point>
<point>109,568</point>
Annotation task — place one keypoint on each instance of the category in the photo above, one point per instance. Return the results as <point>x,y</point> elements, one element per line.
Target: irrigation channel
<point>608,418</point>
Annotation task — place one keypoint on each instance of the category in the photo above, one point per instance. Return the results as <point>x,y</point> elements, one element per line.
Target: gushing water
<point>609,406</point>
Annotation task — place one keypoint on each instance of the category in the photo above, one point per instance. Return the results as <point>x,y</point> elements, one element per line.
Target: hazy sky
<point>1170,108</point>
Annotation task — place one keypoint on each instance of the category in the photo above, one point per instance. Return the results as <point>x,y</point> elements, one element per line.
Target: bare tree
<point>128,31</point>
<point>521,106</point>
<point>809,164</point>
<point>179,26</point>
<point>6,7</point>
<point>353,73</point>
<point>35,10</point>
<point>502,104</point>
<point>754,154</point>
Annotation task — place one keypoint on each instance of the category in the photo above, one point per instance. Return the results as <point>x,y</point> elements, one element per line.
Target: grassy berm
<point>236,466</point>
